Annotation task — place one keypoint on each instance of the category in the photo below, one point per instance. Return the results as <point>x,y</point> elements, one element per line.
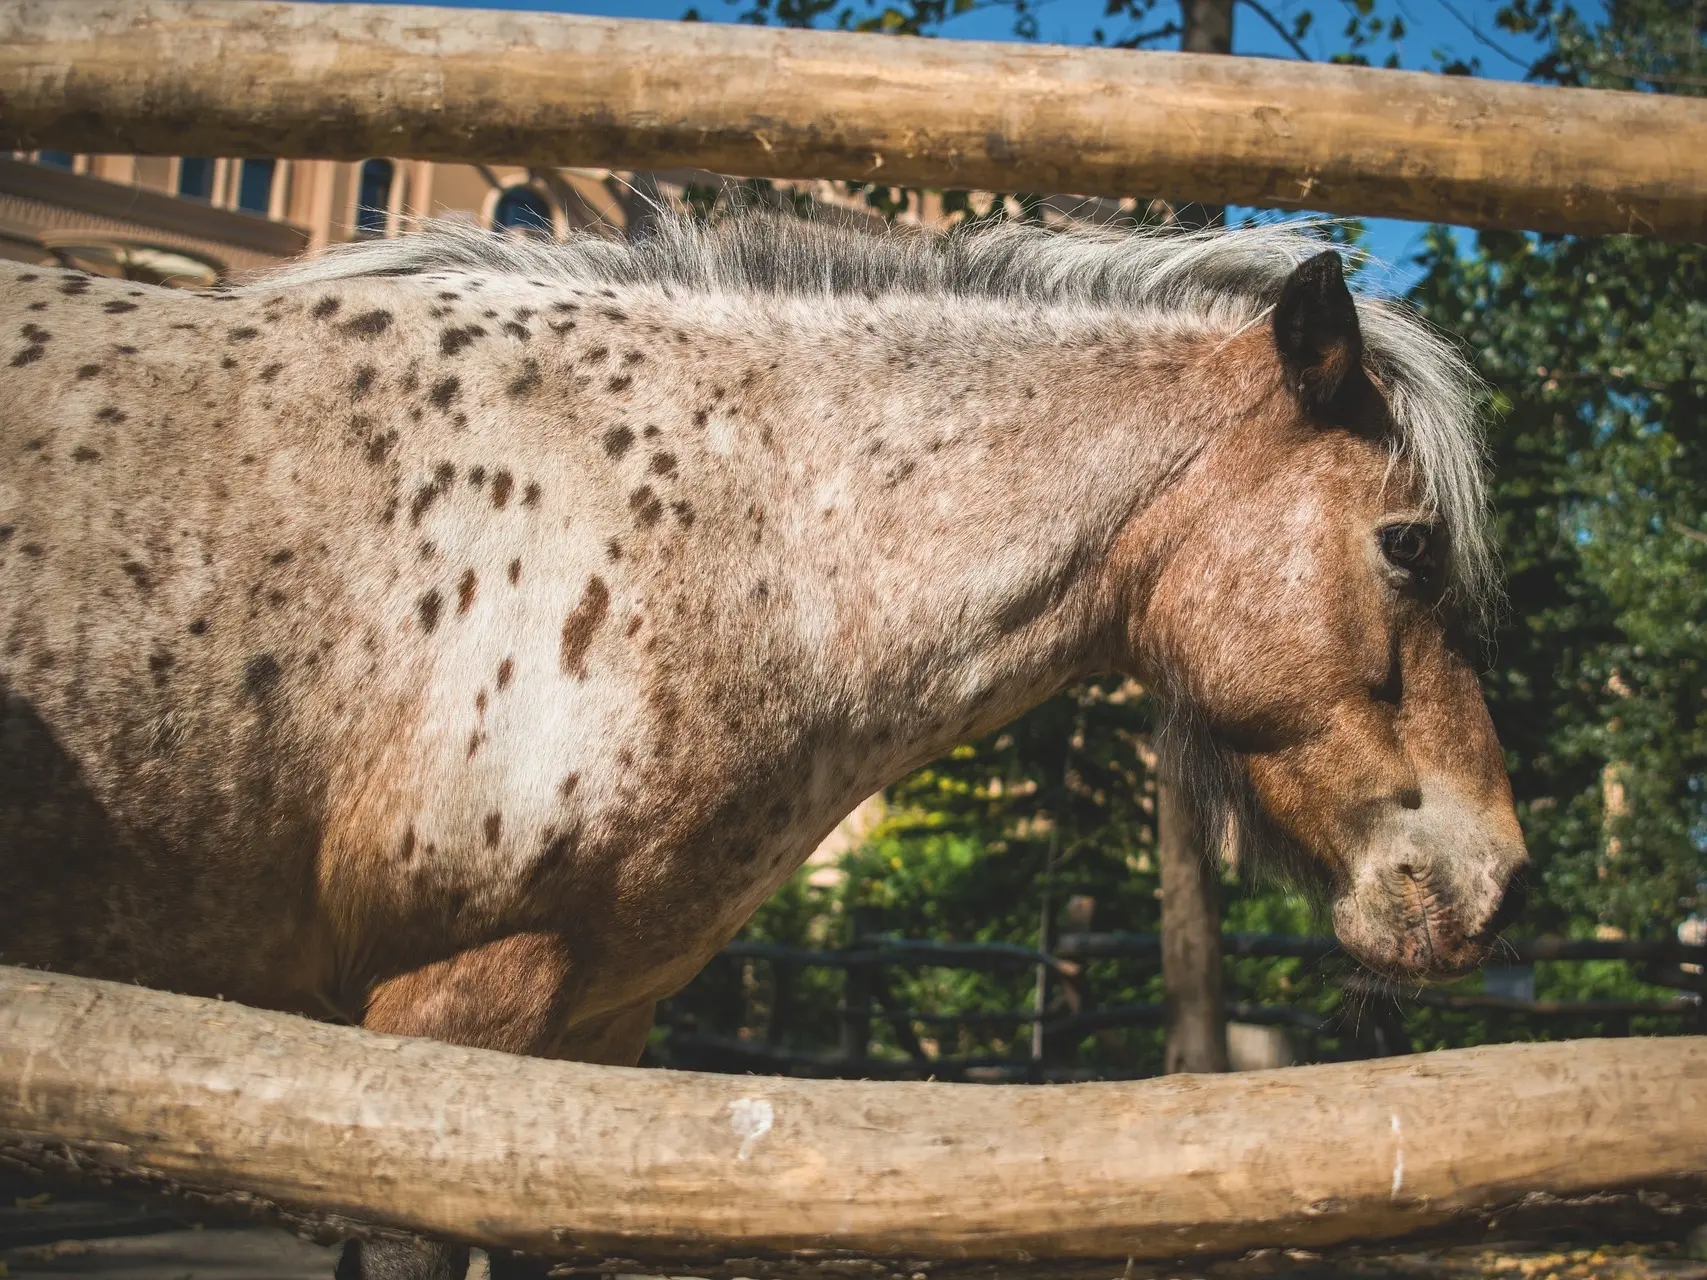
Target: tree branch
<point>1279,28</point>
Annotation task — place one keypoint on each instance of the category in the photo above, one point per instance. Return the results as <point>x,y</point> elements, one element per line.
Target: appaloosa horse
<point>462,635</point>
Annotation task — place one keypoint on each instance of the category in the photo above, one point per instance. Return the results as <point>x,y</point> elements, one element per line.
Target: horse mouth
<point>1420,933</point>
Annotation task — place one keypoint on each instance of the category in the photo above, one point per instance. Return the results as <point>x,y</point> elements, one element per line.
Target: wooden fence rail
<point>630,1170</point>
<point>230,77</point>
<point>1377,1031</point>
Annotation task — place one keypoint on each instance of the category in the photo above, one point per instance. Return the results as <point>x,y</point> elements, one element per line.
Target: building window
<point>195,177</point>
<point>56,159</point>
<point>255,185</point>
<point>522,209</point>
<point>373,198</point>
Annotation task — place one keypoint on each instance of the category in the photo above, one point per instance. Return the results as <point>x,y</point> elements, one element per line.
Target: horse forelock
<point>1217,279</point>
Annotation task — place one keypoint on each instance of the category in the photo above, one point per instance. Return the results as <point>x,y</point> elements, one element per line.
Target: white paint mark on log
<point>751,1119</point>
<point>1398,1158</point>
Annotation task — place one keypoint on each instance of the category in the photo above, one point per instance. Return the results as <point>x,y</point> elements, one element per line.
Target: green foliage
<point>1596,355</point>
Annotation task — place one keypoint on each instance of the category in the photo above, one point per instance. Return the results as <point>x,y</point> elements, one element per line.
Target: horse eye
<point>1408,546</point>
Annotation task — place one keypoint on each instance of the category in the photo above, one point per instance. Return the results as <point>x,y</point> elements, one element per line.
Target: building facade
<point>194,221</point>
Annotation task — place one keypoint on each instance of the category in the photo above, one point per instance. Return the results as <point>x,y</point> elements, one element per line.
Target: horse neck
<point>949,506</point>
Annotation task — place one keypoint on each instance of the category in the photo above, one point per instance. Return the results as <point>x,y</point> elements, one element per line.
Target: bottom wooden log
<point>329,1127</point>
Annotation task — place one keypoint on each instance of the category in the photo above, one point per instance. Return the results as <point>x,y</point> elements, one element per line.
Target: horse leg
<point>506,995</point>
<point>617,1041</point>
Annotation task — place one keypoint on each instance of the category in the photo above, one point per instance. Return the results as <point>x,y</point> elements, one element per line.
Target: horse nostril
<point>1411,798</point>
<point>1407,870</point>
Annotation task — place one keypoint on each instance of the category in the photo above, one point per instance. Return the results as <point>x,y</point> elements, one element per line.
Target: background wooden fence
<point>697,1038</point>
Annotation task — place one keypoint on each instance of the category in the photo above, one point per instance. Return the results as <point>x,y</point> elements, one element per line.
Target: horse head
<point>1306,596</point>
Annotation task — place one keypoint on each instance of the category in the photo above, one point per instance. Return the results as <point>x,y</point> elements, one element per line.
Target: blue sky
<point>1451,28</point>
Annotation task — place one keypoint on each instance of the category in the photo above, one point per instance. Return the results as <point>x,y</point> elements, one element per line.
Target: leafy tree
<point>1596,354</point>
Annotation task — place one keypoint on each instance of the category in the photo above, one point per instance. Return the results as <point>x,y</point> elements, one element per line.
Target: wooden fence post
<point>857,989</point>
<point>1191,938</point>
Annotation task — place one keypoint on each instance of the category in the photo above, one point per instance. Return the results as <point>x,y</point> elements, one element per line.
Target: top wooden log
<point>233,77</point>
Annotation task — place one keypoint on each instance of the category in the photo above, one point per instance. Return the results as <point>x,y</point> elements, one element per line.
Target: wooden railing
<point>228,77</point>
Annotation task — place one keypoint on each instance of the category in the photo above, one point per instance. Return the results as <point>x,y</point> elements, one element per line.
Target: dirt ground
<point>44,1236</point>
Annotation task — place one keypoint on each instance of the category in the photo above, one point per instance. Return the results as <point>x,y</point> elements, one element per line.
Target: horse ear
<point>1315,327</point>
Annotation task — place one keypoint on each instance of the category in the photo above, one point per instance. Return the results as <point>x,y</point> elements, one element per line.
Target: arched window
<point>373,198</point>
<point>522,209</point>
<point>255,185</point>
<point>195,177</point>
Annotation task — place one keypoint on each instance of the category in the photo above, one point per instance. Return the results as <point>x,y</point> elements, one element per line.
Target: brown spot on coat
<point>427,607</point>
<point>444,475</point>
<point>118,306</point>
<point>525,382</point>
<point>138,573</point>
<point>87,371</point>
<point>243,333</point>
<point>29,355</point>
<point>494,828</point>
<point>502,483</point>
<point>261,675</point>
<point>363,382</point>
<point>506,669</point>
<point>83,453</point>
<point>530,494</point>
<point>646,506</point>
<point>325,307</point>
<point>369,324</point>
<point>110,414</point>
<point>444,391</point>
<point>454,339</point>
<point>579,626</point>
<point>620,383</point>
<point>515,572</point>
<point>617,441</point>
<point>378,446</point>
<point>663,464</point>
<point>465,592</point>
<point>271,371</point>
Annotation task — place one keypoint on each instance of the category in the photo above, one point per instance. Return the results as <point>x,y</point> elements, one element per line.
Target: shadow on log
<point>327,1127</point>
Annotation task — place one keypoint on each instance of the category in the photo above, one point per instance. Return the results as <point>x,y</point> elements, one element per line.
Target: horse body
<point>355,645</point>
